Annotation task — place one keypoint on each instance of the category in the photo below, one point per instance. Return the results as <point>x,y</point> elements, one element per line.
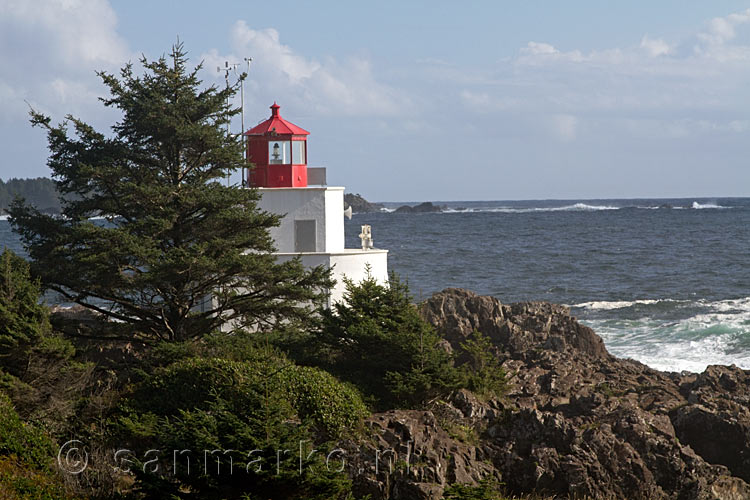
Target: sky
<point>414,101</point>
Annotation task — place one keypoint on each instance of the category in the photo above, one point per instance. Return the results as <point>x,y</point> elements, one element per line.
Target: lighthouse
<point>312,213</point>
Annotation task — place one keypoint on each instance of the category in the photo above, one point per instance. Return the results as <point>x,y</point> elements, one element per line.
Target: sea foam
<point>712,332</point>
<point>700,206</point>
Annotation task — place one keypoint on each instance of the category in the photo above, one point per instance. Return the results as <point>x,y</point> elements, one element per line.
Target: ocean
<point>663,281</point>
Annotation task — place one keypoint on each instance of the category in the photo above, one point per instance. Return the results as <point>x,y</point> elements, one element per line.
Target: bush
<point>36,367</point>
<point>330,405</point>
<point>377,340</point>
<point>483,372</point>
<point>487,489</point>
<point>26,456</point>
<point>26,443</point>
<point>18,482</point>
<point>23,320</point>
<point>265,405</point>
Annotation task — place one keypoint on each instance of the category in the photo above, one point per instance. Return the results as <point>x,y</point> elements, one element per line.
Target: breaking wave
<point>700,206</point>
<point>674,335</point>
<point>578,207</point>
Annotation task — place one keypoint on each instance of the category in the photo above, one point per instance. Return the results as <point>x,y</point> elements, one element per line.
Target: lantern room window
<point>279,152</point>
<point>298,153</point>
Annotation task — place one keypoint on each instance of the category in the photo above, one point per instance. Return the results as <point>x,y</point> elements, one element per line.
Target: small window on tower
<point>278,152</point>
<point>298,153</point>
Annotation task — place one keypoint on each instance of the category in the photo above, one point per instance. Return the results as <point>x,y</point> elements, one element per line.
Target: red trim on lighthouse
<point>267,174</point>
<point>278,124</point>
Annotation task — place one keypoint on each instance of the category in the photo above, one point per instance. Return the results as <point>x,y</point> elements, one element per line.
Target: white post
<point>242,98</point>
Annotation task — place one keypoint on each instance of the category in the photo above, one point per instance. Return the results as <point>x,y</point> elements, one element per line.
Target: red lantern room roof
<point>276,124</point>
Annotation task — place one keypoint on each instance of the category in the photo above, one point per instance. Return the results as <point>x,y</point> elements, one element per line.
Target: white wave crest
<point>730,305</point>
<point>583,206</point>
<point>693,356</point>
<point>700,206</point>
<point>578,207</point>
<point>4,217</point>
<point>605,305</point>
<point>714,334</point>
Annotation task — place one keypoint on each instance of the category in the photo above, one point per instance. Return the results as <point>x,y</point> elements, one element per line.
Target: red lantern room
<point>278,151</point>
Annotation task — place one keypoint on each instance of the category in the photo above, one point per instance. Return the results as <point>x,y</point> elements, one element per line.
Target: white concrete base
<point>351,263</point>
<point>324,205</point>
<point>312,218</point>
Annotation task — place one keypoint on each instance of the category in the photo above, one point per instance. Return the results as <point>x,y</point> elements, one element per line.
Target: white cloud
<point>716,43</point>
<point>655,47</point>
<point>722,29</point>
<point>535,48</point>
<point>675,92</point>
<point>267,47</point>
<point>49,52</point>
<point>540,53</point>
<point>327,87</point>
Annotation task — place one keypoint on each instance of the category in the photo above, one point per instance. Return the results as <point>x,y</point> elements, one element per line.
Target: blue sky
<point>429,100</point>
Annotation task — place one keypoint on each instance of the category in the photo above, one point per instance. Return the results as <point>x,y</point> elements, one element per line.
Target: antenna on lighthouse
<point>226,69</point>
<point>248,60</point>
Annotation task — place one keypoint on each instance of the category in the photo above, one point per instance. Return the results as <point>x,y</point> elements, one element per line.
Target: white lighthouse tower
<point>312,224</point>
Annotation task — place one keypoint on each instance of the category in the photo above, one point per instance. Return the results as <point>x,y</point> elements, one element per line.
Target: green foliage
<point>23,320</point>
<point>18,482</point>
<point>487,489</point>
<point>26,443</point>
<point>265,404</point>
<point>333,407</point>
<point>464,433</point>
<point>26,456</point>
<point>173,233</point>
<point>377,340</point>
<point>484,373</point>
<point>36,367</point>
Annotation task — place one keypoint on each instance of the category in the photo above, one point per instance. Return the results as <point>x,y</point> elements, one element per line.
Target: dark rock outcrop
<point>577,422</point>
<point>360,205</point>
<point>425,207</point>
<point>715,422</point>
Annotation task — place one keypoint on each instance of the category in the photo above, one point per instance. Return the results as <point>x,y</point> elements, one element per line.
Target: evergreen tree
<point>23,320</point>
<point>173,234</point>
<point>377,340</point>
<point>484,372</point>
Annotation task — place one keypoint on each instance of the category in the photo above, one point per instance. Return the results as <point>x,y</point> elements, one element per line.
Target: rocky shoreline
<point>577,422</point>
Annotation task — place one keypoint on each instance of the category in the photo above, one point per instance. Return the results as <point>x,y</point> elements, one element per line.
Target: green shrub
<point>23,320</point>
<point>36,367</point>
<point>377,340</point>
<point>487,489</point>
<point>267,405</point>
<point>332,406</point>
<point>483,372</point>
<point>19,482</point>
<point>26,458</point>
<point>25,442</point>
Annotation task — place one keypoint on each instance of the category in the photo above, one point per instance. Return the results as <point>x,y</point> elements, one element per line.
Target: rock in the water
<point>360,205</point>
<point>425,207</point>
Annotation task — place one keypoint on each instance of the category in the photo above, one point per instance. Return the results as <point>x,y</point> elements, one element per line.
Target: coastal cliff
<point>576,423</point>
